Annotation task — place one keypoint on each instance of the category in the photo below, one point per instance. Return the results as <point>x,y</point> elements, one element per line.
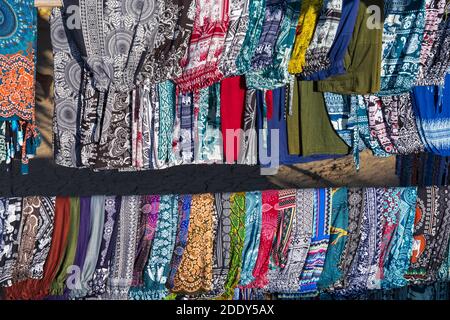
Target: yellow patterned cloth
<point>309,14</point>
<point>195,271</point>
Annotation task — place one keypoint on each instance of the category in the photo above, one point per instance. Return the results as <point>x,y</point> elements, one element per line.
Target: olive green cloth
<point>363,58</point>
<point>317,133</point>
<point>293,123</point>
<point>67,261</point>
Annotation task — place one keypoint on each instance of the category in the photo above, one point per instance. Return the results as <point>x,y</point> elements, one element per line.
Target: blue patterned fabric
<point>315,259</point>
<point>433,116</point>
<point>404,26</point>
<point>399,254</point>
<point>253,222</point>
<point>348,115</point>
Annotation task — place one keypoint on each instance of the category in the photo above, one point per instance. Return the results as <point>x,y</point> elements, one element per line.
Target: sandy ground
<point>341,172</point>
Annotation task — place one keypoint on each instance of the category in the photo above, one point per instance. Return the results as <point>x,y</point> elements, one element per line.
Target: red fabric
<point>232,106</point>
<point>200,65</point>
<point>268,229</point>
<point>269,104</point>
<point>39,289</point>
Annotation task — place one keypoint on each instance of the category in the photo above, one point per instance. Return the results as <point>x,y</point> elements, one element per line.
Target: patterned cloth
<point>397,259</point>
<point>195,271</point>
<point>18,31</point>
<point>435,59</point>
<point>121,275</point>
<point>237,30</point>
<point>432,116</point>
<point>255,21</point>
<point>270,200</point>
<point>222,244</point>
<point>338,238</point>
<point>404,25</point>
<point>97,285</point>
<point>184,212</point>
<point>434,13</point>
<point>288,278</point>
<point>200,64</point>
<point>158,265</point>
<point>276,74</point>
<point>112,38</point>
<point>253,222</point>
<point>309,14</point>
<point>237,233</point>
<point>319,243</point>
<point>393,123</point>
<point>149,209</point>
<point>431,235</point>
<point>11,216</point>
<point>349,117</point>
<point>175,22</point>
<point>264,51</point>
<point>317,54</point>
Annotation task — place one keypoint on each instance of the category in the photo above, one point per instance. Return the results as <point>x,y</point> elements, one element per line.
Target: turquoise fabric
<point>399,255</point>
<point>253,222</point>
<point>338,237</point>
<point>158,265</point>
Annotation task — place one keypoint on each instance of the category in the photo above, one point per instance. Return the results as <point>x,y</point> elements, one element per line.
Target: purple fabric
<point>84,233</point>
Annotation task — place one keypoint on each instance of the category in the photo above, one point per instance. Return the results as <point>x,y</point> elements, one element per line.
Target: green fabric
<point>237,217</point>
<point>59,283</point>
<point>363,58</point>
<point>293,123</point>
<point>317,133</point>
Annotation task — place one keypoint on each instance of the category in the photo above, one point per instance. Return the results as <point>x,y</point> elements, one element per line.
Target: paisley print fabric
<point>44,237</point>
<point>355,216</point>
<point>149,208</point>
<point>28,234</point>
<point>17,81</point>
<point>175,20</point>
<point>222,242</point>
<point>195,271</point>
